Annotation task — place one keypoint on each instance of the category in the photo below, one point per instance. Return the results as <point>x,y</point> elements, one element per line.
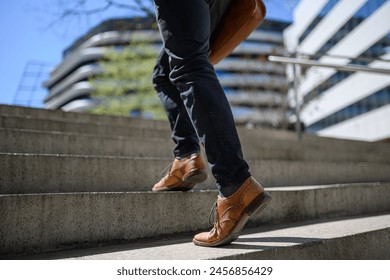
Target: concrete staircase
<point>77,186</point>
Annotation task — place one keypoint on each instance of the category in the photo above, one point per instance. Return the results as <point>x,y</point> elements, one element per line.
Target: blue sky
<point>26,36</point>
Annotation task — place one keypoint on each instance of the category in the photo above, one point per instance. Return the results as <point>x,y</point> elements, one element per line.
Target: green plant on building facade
<point>125,84</point>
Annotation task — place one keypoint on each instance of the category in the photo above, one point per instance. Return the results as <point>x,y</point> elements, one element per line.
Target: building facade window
<point>328,6</point>
<point>365,105</point>
<point>370,55</point>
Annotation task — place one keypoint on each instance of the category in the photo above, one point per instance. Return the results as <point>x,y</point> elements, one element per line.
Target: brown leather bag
<point>238,22</point>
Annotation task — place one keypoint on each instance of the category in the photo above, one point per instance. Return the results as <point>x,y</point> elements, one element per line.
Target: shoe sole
<point>195,177</point>
<point>256,206</point>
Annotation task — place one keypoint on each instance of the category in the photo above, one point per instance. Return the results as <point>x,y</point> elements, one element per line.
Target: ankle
<point>229,189</point>
<point>186,155</point>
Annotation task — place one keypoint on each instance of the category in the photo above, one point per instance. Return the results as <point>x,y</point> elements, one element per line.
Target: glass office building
<point>255,87</point>
<point>350,105</point>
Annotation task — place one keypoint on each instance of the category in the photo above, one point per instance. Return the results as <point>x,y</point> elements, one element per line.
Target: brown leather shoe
<point>183,175</point>
<point>233,212</point>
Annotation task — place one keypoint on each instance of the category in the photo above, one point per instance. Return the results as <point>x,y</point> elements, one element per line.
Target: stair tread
<point>70,220</point>
<point>161,125</point>
<point>253,146</point>
<point>259,242</point>
<point>7,110</point>
<point>259,159</point>
<point>69,173</point>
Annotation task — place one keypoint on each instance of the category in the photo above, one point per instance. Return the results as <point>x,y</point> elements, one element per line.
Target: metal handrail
<point>309,62</point>
<point>348,67</point>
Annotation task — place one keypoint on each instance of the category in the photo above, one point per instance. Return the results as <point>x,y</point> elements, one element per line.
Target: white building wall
<point>304,14</point>
<point>371,126</point>
<point>347,92</point>
<point>325,29</point>
<point>356,42</point>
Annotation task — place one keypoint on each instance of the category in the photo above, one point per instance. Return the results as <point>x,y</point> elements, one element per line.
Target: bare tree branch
<point>80,7</point>
<point>139,5</point>
<point>65,12</point>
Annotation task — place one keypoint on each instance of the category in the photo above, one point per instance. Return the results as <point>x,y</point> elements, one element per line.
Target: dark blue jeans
<point>190,92</point>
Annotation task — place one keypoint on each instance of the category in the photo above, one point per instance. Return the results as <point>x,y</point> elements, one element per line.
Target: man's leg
<point>183,133</point>
<point>185,28</point>
<point>188,168</point>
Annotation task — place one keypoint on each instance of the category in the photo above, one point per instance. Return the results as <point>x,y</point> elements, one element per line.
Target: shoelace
<point>213,216</point>
<point>166,169</point>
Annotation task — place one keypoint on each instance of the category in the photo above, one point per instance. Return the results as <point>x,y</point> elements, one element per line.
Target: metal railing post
<point>298,127</point>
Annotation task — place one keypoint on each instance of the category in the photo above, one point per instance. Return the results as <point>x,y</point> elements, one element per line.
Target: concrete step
<point>313,147</point>
<point>7,110</point>
<point>263,134</point>
<point>54,142</point>
<point>39,173</point>
<point>140,129</point>
<point>57,142</point>
<point>54,120</point>
<point>35,113</point>
<point>356,238</point>
<point>36,223</point>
